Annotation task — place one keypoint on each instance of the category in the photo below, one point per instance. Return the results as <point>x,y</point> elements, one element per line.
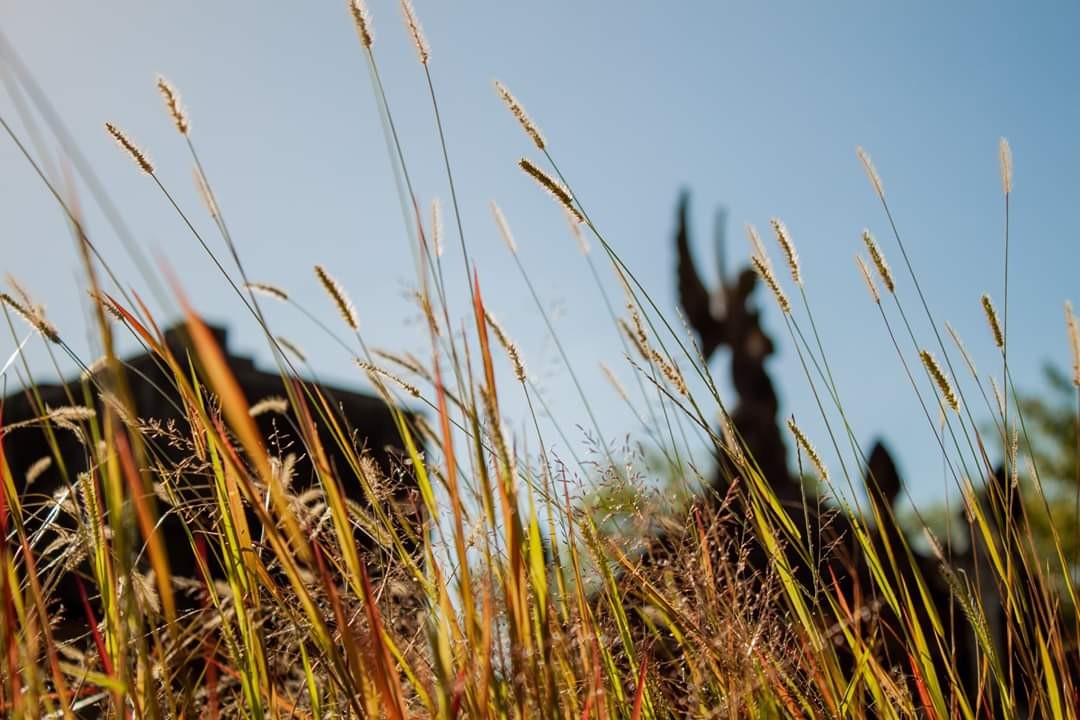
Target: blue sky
<point>754,106</point>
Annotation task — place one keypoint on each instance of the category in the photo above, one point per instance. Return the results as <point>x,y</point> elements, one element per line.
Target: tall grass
<point>512,597</point>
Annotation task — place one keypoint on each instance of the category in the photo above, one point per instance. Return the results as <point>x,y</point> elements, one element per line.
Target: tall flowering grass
<point>510,596</point>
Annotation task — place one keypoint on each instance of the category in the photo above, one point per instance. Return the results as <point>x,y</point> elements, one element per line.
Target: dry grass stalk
<point>415,31</point>
<point>133,150</point>
<point>519,112</point>
<point>508,345</point>
<point>172,102</point>
<point>809,449</point>
<point>362,20</point>
<point>269,290</point>
<point>337,294</point>
<point>940,379</point>
<point>871,172</point>
<point>783,237</point>
<point>879,261</point>
<point>374,370</point>
<point>869,279</point>
<point>992,321</point>
<point>32,317</point>
<point>553,186</point>
<point>1006,162</point>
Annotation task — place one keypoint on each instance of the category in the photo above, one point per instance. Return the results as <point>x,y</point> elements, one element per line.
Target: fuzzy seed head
<point>940,379</point>
<point>374,370</point>
<point>519,112</point>
<point>337,294</point>
<point>508,345</point>
<point>761,265</point>
<point>270,404</point>
<point>809,449</point>
<point>1005,160</point>
<point>130,148</point>
<point>415,31</point>
<point>291,347</point>
<point>784,238</point>
<point>869,279</point>
<point>553,187</point>
<point>172,102</point>
<point>1074,341</point>
<point>615,384</point>
<point>437,227</point>
<point>871,172</point>
<point>879,261</point>
<point>992,321</point>
<point>269,290</point>
<point>33,317</point>
<point>504,228</point>
<point>362,20</point>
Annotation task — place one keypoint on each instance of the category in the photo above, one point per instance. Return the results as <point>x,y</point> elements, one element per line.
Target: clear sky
<point>756,106</point>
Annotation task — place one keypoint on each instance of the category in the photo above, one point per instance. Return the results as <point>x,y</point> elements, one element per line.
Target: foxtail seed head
<point>519,112</point>
<point>337,294</point>
<point>130,148</point>
<point>992,321</point>
<point>940,379</point>
<point>362,20</point>
<point>416,32</point>
<point>553,186</point>
<point>879,261</point>
<point>172,102</point>
<point>784,238</point>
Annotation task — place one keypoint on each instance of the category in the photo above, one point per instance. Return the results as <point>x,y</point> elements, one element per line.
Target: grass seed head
<point>809,449</point>
<point>1005,160</point>
<point>362,20</point>
<point>130,148</point>
<point>508,345</point>
<point>337,294</point>
<point>504,228</point>
<point>783,237</point>
<point>871,172</point>
<point>519,112</point>
<point>761,265</point>
<point>879,261</point>
<point>869,279</point>
<point>553,186</point>
<point>375,371</point>
<point>1074,341</point>
<point>992,321</point>
<point>32,317</point>
<point>415,31</point>
<point>269,290</point>
<point>172,102</point>
<point>940,379</point>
